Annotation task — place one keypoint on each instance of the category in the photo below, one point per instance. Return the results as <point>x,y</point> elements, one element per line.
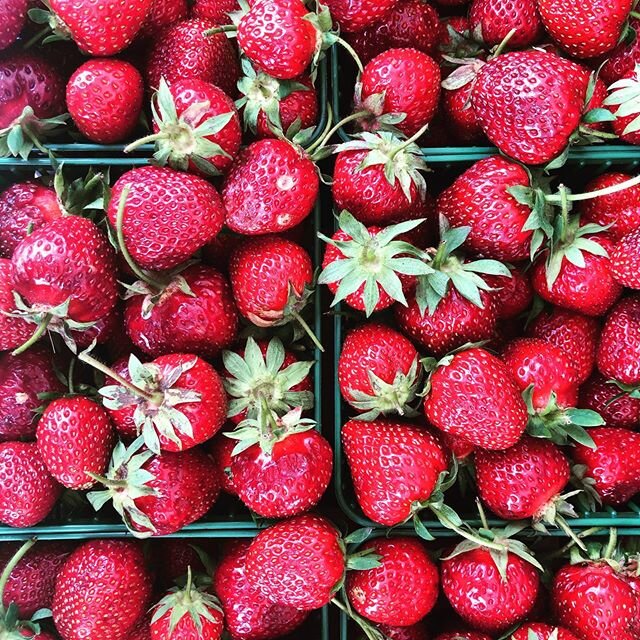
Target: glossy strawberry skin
<point>67,259</point>
<point>13,331</point>
<point>220,448</point>
<point>354,16</point>
<point>616,410</point>
<point>289,480</point>
<point>174,556</point>
<point>614,464</point>
<point>410,82</point>
<point>27,490</point>
<point>512,296</point>
<point>461,120</point>
<point>272,187</point>
<point>496,18</point>
<point>481,597</point>
<point>168,216</point>
<point>402,590</point>
<point>542,631</point>
<point>104,98</point>
<point>13,15</point>
<point>217,11</point>
<point>622,60</point>
<point>102,591</point>
<point>163,13</point>
<point>247,613</point>
<point>521,481</point>
<point>479,199</point>
<point>625,260</point>
<point>24,205</point>
<point>297,562</point>
<point>474,396</point>
<point>386,494</point>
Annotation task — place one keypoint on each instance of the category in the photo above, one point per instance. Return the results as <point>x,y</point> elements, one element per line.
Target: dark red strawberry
<point>27,492</point>
<point>163,13</point>
<point>217,11</point>
<point>14,331</point>
<point>542,631</point>
<point>248,613</point>
<point>355,15</point>
<point>174,556</point>
<point>616,408</point>
<point>13,15</point>
<point>622,60</point>
<point>402,589</point>
<point>416,631</point>
<point>461,120</point>
<point>512,295</point>
<point>493,20</point>
<point>387,495</point>
<point>220,448</point>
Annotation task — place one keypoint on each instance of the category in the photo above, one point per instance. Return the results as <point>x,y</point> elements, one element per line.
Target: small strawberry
<point>493,20</point>
<point>355,15</point>
<point>13,15</point>
<point>102,591</point>
<point>14,331</point>
<point>617,409</point>
<point>402,589</point>
<point>27,492</point>
<point>472,394</point>
<point>104,98</point>
<point>622,60</point>
<point>157,495</point>
<point>512,295</point>
<point>542,631</point>
<point>163,13</point>
<point>220,448</point>
<point>217,11</point>
<point>461,120</point>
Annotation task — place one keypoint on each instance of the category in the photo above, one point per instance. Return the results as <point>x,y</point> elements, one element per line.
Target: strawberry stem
<point>37,334</point>
<point>322,140</point>
<point>303,323</point>
<point>503,44</point>
<point>146,140</point>
<point>351,51</point>
<point>227,28</point>
<point>611,545</point>
<point>408,142</point>
<point>6,573</point>
<point>367,628</point>
<point>575,197</point>
<point>561,523</point>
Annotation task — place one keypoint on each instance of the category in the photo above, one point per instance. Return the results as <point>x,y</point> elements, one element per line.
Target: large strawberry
<point>617,409</point>
<point>472,394</point>
<point>102,591</point>
<point>493,20</point>
<point>13,14</point>
<point>157,495</point>
<point>355,15</point>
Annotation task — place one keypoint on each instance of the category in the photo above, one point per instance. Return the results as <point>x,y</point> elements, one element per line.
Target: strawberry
<point>157,495</point>
<point>102,591</point>
<point>194,313</point>
<point>592,29</point>
<point>574,334</point>
<point>22,379</point>
<point>618,211</point>
<point>512,295</point>
<point>187,612</point>
<point>625,107</point>
<point>463,635</point>
<point>461,120</point>
<point>141,631</point>
<point>542,631</point>
<point>355,15</point>
<point>377,179</point>
<point>611,470</point>
<point>174,556</point>
<point>216,11</point>
<point>27,492</point>
<point>625,260</point>
<point>472,394</point>
<point>167,215</point>
<point>104,98</point>
<point>14,330</point>
<point>402,589</point>
<point>248,613</point>
<point>75,437</point>
<point>24,205</point>
<point>299,562</point>
<point>616,409</point>
<point>163,13</point>
<point>182,52</point>
<point>271,187</point>
<point>414,632</point>
<point>622,60</point>
<point>492,20</point>
<point>379,371</point>
<point>13,15</point>
<point>619,343</point>
<point>220,448</point>
<point>386,495</point>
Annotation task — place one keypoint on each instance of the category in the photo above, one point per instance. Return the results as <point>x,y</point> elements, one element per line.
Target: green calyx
<point>462,45</point>
<point>373,261</point>
<point>84,195</point>
<point>326,34</point>
<point>554,512</point>
<point>26,132</point>
<point>54,30</point>
<point>154,296</point>
<point>625,95</point>
<point>466,72</point>
<point>185,138</point>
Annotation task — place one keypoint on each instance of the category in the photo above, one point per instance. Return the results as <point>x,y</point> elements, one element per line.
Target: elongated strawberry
<point>493,20</point>
<point>355,15</point>
<point>617,409</point>
<point>13,15</point>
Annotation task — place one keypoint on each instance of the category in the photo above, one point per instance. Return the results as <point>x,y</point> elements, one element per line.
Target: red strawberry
<point>355,15</point>
<point>623,103</point>
<point>379,371</point>
<point>173,490</point>
<point>217,11</point>
<point>271,187</point>
<point>593,28</point>
<point>194,313</point>
<point>184,52</point>
<point>622,60</point>
<point>625,260</point>
<point>75,437</point>
<point>168,215</point>
<point>542,631</point>
<point>612,469</point>
<point>163,13</point>
<point>472,394</point>
<point>102,591</point>
<point>248,613</point>
<point>22,206</point>
<point>461,120</point>
<point>220,448</point>
<point>492,20</point>
<point>14,331</point>
<point>141,631</point>
<point>617,409</point>
<point>298,562</point>
<point>414,632</point>
<point>402,589</point>
<point>574,334</point>
<point>401,81</point>
<point>174,556</point>
<point>27,492</point>
<point>13,15</point>
<point>512,295</point>
<point>388,495</point>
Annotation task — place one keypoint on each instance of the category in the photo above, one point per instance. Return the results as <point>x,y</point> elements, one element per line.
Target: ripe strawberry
<point>414,632</point>
<point>13,15</point>
<point>472,394</point>
<point>248,613</point>
<point>194,313</point>
<point>173,490</point>
<point>14,330</point>
<point>622,60</point>
<point>620,341</point>
<point>271,187</point>
<point>163,13</point>
<point>612,469</point>
<point>623,104</point>
<point>22,379</point>
<point>183,52</point>
<point>27,492</point>
<point>24,205</point>
<point>379,371</point>
<point>216,11</point>
<point>174,556</point>
<point>168,215</point>
<point>461,120</point>
<point>542,631</point>
<point>625,260</point>
<point>220,448</point>
<point>512,295</point>
<point>389,495</point>
<point>492,20</point>
<point>593,28</point>
<point>355,15</point>
<point>617,409</point>
<point>104,98</point>
<point>75,437</point>
<point>102,591</point>
<point>298,562</point>
<point>401,81</point>
<point>402,589</point>
<point>141,631</point>
<point>574,334</point>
